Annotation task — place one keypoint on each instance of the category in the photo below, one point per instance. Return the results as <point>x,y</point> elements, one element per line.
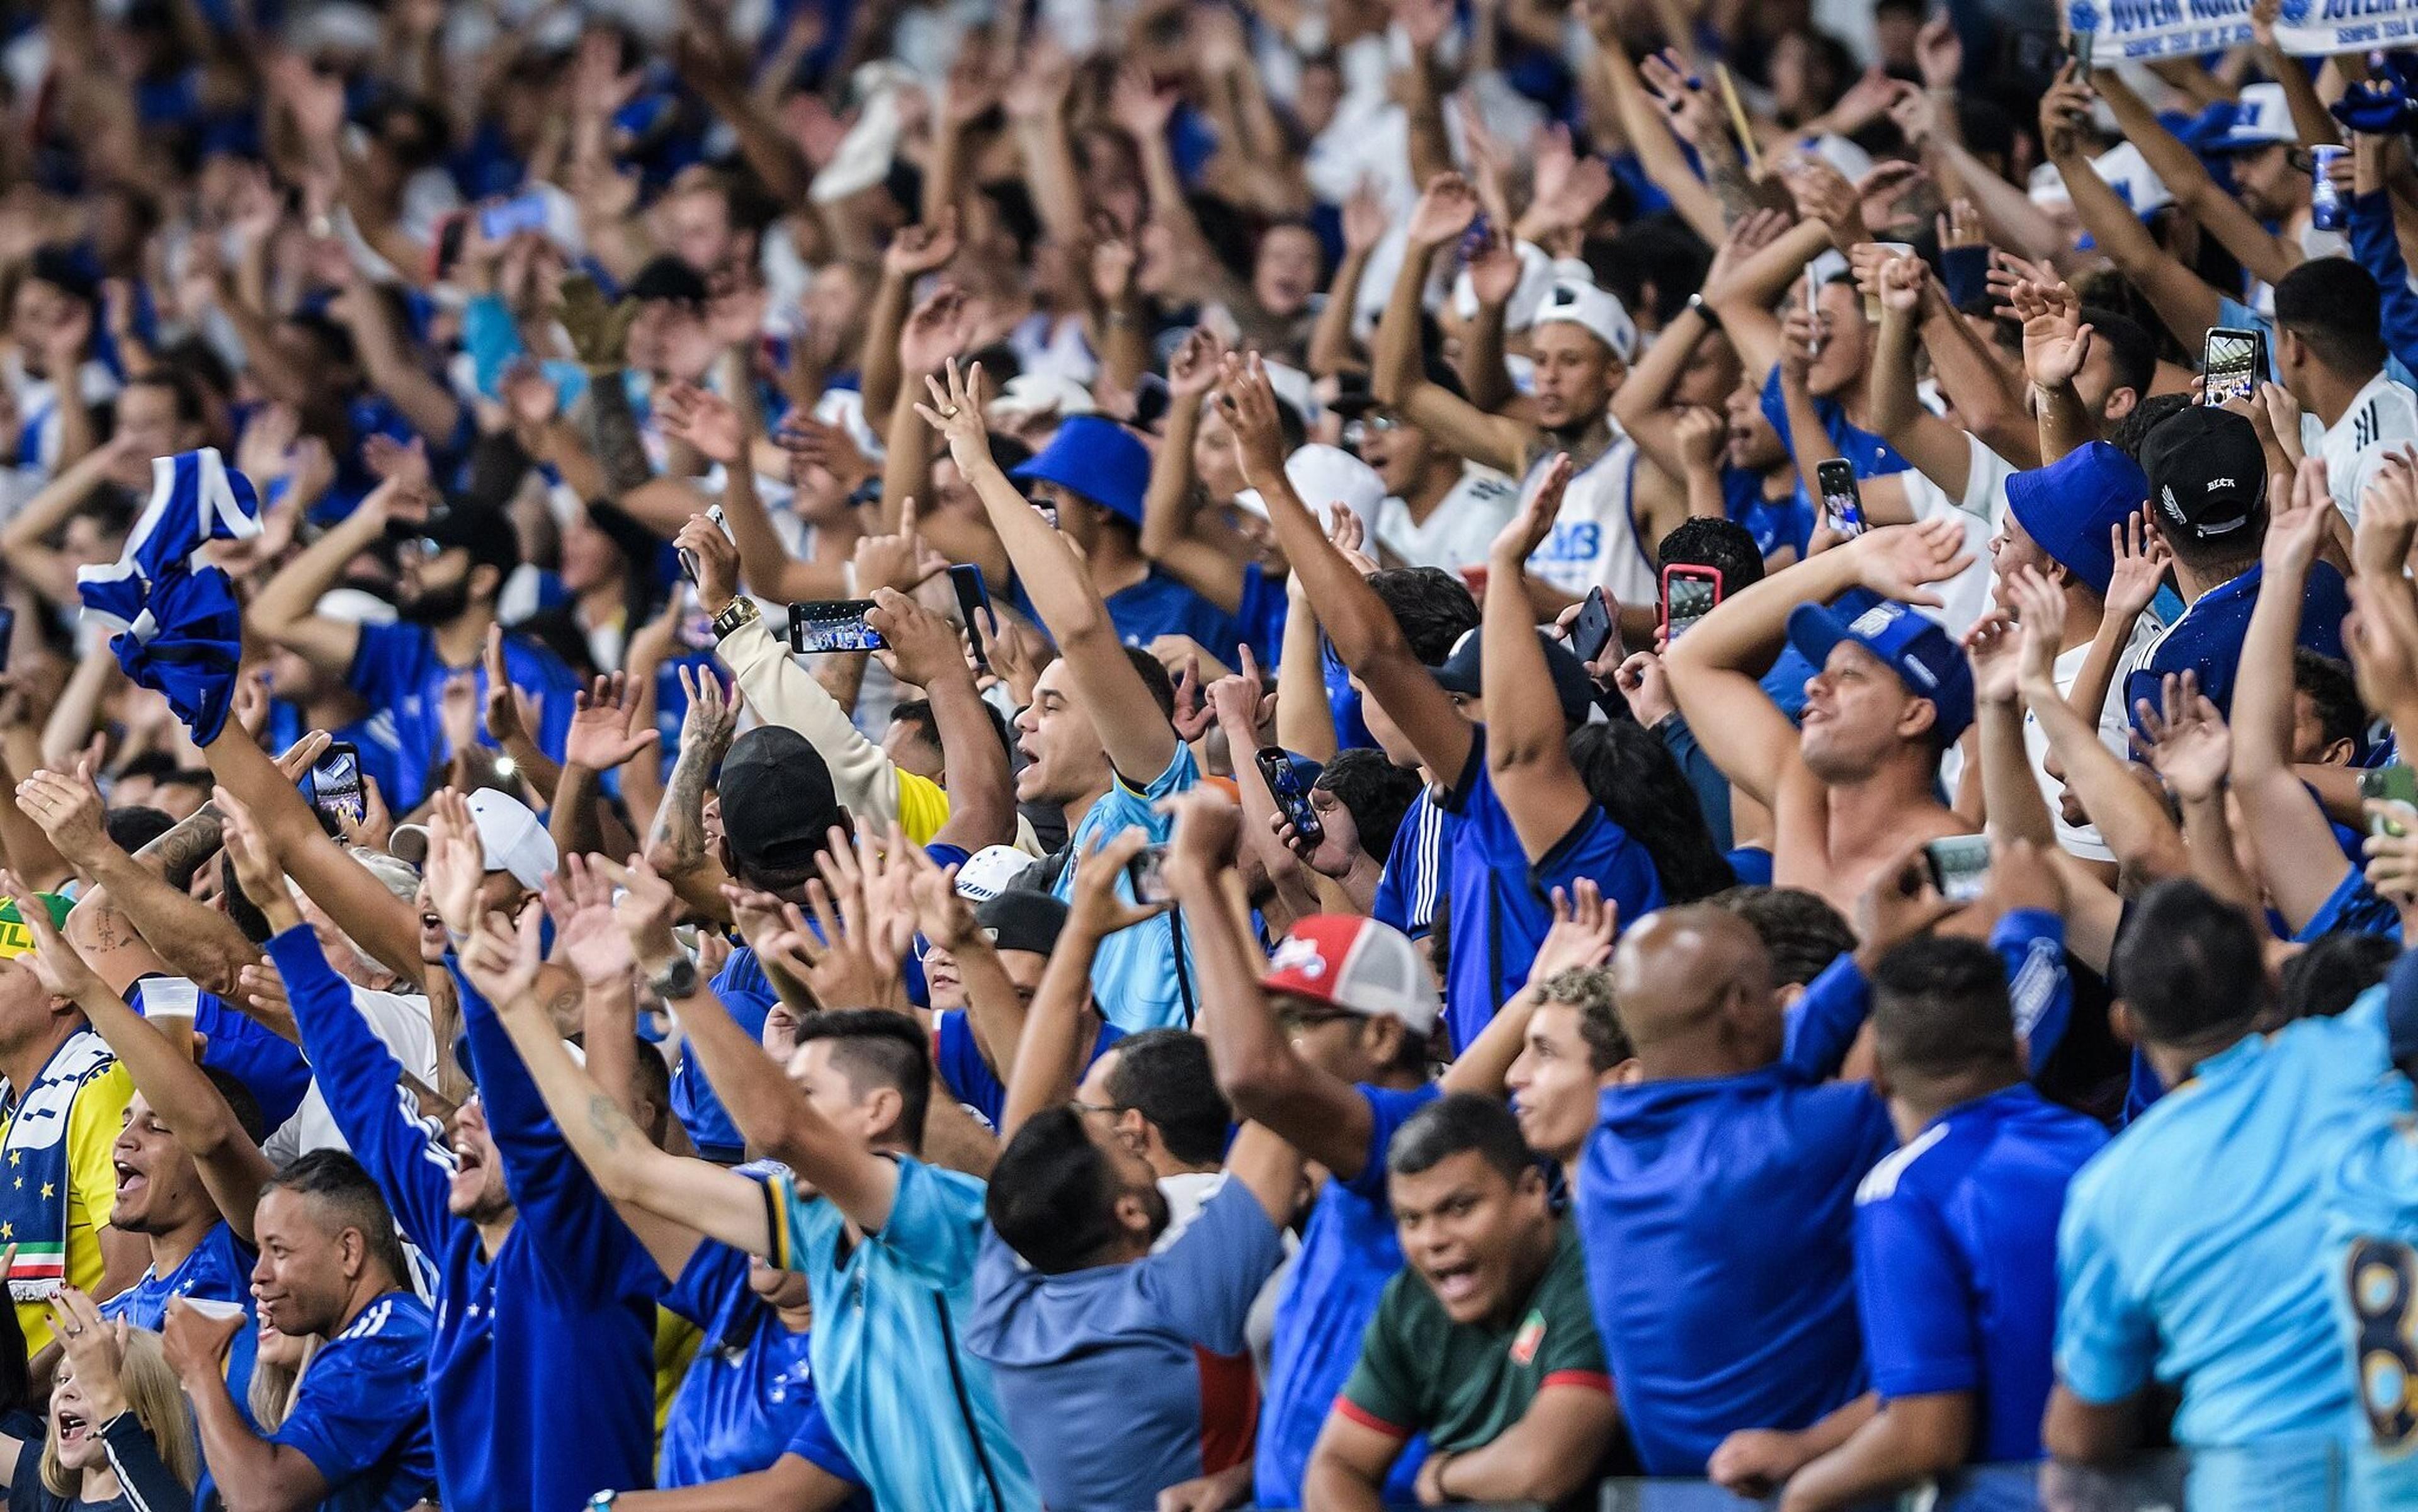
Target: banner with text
<point>2143,30</point>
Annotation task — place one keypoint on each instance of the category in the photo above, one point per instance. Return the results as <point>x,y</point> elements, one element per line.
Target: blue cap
<point>1922,654</point>
<point>1098,459</point>
<point>2071,505</point>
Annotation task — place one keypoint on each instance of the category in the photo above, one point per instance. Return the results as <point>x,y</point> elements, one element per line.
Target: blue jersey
<point>1704,1333</point>
<point>2372,1216</point>
<point>396,668</point>
<point>915,1410</point>
<point>361,1414</point>
<point>1956,1261</point>
<point>1099,1370</point>
<point>747,993</point>
<point>1159,605</point>
<point>271,1068</point>
<point>2206,638</point>
<point>1873,456</point>
<point>1349,1251</point>
<point>1502,904</point>
<point>750,1385</point>
<point>1141,979</point>
<point>1415,868</point>
<point>816,1443</point>
<point>969,1077</point>
<point>564,1309</point>
<point>218,1270</point>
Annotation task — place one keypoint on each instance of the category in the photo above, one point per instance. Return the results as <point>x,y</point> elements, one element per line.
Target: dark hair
<point>134,826</point>
<point>1829,66</point>
<point>1656,255</point>
<point>1375,791</point>
<point>1165,1076</point>
<point>1588,989</point>
<point>875,1047</point>
<point>1455,1123</point>
<point>2332,303</point>
<point>1049,1196</point>
<point>156,765</point>
<point>1700,541</point>
<point>239,907</point>
<point>335,1178</point>
<point>2188,965</point>
<point>1800,931</point>
<point>652,1080</point>
<point>1633,777</point>
<point>1433,608</point>
<point>181,388</point>
<point>2331,687</point>
<point>2322,981</point>
<point>1155,678</point>
<point>1006,451</point>
<point>2131,351</point>
<point>2147,416</point>
<point>1941,1008</point>
<point>240,1102</point>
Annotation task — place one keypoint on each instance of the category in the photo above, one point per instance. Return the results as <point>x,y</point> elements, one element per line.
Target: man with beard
<point>357,1438</point>
<point>454,565</point>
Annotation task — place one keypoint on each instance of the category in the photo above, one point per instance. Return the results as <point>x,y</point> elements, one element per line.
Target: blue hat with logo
<point>1916,647</point>
<point>2071,505</point>
<point>1099,459</point>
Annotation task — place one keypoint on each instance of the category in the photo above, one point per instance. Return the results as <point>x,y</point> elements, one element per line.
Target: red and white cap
<point>1357,965</point>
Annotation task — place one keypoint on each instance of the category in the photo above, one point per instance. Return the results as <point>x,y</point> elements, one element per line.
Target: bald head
<point>1693,990</point>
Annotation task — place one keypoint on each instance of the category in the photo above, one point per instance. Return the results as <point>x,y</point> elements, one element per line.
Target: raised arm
<point>2186,305</point>
<point>285,608</point>
<point>1527,741</point>
<point>1050,1052</point>
<point>1939,449</point>
<point>2267,257</point>
<point>1397,375</point>
<point>925,652</point>
<point>1139,739</point>
<point>1168,537</point>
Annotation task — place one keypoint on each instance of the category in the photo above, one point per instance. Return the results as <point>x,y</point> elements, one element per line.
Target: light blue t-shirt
<point>2373,1206</point>
<point>1138,978</point>
<point>913,1410</point>
<point>2194,1252</point>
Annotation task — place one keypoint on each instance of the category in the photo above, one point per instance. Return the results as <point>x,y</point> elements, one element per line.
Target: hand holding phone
<point>1596,628</point>
<point>833,625</point>
<point>2233,362</point>
<point>1959,866</point>
<point>1292,797</point>
<point>1688,593</point>
<point>336,783</point>
<point>1842,501</point>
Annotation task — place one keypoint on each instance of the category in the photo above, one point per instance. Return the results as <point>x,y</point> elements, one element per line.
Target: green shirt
<point>1464,1383</point>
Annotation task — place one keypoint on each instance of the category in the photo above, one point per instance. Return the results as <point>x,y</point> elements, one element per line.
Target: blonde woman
<point>277,1369</point>
<point>120,1438</point>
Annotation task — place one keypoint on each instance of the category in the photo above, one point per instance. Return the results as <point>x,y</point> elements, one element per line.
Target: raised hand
<point>68,807</point>
<point>924,648</point>
<point>501,956</point>
<point>923,249</point>
<point>2186,741</point>
<point>1938,53</point>
<point>1993,645</point>
<point>2295,530</point>
<point>705,421</point>
<point>2141,563</point>
<point>1494,272</point>
<point>713,716</point>
<point>2039,607</point>
<point>601,735</point>
<point>1902,562</point>
<point>1248,402</point>
<point>257,869</point>
<point>1366,221</point>
<point>1236,700</point>
<point>61,969</point>
<point>1585,925</point>
<point>599,330</point>
<point>954,413</point>
<point>1443,212</point>
<point>456,864</point>
<point>1197,365</point>
<point>1526,530</point>
<point>936,330</point>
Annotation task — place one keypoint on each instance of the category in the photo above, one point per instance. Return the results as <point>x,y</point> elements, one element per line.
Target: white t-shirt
<point>1595,541</point>
<point>403,1025</point>
<point>1460,530</point>
<point>1966,597</point>
<point>2115,731</point>
<point>2382,419</point>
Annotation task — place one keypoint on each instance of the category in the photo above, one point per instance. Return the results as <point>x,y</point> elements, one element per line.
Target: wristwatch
<point>1705,312</point>
<point>739,611</point>
<point>677,982</point>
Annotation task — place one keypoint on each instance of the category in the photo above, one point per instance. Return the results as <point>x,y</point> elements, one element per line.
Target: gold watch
<point>739,611</point>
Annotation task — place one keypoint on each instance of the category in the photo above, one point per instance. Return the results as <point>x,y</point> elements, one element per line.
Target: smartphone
<point>2234,362</point>
<point>2396,782</point>
<point>2082,50</point>
<point>1148,871</point>
<point>1596,627</point>
<point>336,783</point>
<point>1688,593</point>
<point>445,249</point>
<point>1843,502</point>
<point>1959,866</point>
<point>7,633</point>
<point>973,599</point>
<point>506,219</point>
<point>833,625</point>
<point>688,557</point>
<point>1292,799</point>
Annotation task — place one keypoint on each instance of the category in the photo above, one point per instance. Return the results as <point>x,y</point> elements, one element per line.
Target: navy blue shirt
<point>1415,868</point>
<point>747,993</point>
<point>563,1312</point>
<point>2207,637</point>
<point>1956,1261</point>
<point>361,1414</point>
<point>970,1078</point>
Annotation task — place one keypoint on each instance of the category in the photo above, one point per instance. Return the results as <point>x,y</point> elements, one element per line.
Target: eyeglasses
<point>1295,1018</point>
<point>1360,430</point>
<point>1076,1105</point>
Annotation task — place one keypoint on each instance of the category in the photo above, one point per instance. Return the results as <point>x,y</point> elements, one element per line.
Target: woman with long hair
<point>119,1437</point>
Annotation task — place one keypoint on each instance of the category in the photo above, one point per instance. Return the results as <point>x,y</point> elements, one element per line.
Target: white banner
<point>2142,30</point>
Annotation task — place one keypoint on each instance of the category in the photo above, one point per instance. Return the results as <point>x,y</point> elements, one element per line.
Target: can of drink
<point>2327,212</point>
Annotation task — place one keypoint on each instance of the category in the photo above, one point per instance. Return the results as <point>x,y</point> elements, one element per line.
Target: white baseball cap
<point>988,872</point>
<point>1594,309</point>
<point>511,839</point>
<point>1324,475</point>
<point>1029,394</point>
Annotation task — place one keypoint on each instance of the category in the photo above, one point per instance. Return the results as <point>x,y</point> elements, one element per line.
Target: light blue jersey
<point>1139,979</point>
<point>913,1409</point>
<point>2194,1252</point>
<point>2373,1204</point>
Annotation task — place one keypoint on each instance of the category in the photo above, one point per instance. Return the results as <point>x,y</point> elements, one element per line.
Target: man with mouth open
<point>1484,1342</point>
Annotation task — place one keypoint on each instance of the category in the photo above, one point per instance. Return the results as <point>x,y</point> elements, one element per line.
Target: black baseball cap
<point>666,277</point>
<point>1022,918</point>
<point>482,530</point>
<point>777,802</point>
<point>2208,474</point>
<point>1462,672</point>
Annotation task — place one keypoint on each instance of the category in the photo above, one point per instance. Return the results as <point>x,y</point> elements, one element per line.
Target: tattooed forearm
<point>605,1120</point>
<point>176,855</point>
<point>613,436</point>
<point>680,824</point>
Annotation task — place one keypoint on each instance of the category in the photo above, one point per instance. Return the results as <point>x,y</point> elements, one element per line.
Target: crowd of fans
<point>1156,756</point>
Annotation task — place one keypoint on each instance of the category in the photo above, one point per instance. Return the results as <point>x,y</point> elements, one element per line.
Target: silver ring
<point>74,1333</point>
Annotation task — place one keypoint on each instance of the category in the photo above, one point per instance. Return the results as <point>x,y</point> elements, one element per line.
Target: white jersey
<point>2115,732</point>
<point>2382,418</point>
<point>1595,541</point>
<point>1458,532</point>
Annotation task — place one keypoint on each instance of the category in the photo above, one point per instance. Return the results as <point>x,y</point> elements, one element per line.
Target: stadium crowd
<point>1156,756</point>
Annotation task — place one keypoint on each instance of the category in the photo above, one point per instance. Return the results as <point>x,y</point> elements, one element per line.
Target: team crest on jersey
<point>1531,1338</point>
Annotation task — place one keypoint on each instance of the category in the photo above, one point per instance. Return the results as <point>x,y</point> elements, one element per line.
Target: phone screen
<point>973,597</point>
<point>1595,628</point>
<point>336,783</point>
<point>2395,782</point>
<point>522,212</point>
<point>1292,797</point>
<point>1843,502</point>
<point>1687,600</point>
<point>2231,361</point>
<point>1149,875</point>
<point>2082,50</point>
<point>833,625</point>
<point>1960,864</point>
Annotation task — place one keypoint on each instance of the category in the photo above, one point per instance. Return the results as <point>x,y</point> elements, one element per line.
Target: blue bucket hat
<point>2071,505</point>
<point>1922,654</point>
<point>1100,460</point>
